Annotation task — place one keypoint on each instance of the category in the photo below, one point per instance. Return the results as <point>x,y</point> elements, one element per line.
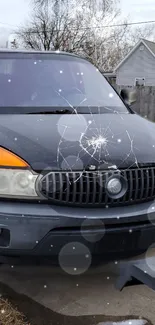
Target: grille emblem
<point>114,186</point>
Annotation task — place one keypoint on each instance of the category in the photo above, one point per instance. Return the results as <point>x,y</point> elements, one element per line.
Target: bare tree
<point>57,30</point>
<point>14,44</point>
<point>68,25</point>
<point>76,26</point>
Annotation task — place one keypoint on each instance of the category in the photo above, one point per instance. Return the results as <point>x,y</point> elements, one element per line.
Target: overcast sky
<point>139,9</point>
<point>14,12</point>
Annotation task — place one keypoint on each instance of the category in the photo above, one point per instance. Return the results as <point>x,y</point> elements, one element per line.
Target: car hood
<point>77,142</point>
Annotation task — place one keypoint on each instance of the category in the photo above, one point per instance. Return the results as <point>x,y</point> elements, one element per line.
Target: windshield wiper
<point>57,111</point>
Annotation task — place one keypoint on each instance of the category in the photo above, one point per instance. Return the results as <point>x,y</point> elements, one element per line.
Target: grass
<point>10,315</point>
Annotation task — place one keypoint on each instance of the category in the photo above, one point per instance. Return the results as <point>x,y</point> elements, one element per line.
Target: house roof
<point>148,44</point>
<point>151,45</point>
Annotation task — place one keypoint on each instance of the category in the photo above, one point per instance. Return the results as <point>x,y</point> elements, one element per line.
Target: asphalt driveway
<point>92,293</point>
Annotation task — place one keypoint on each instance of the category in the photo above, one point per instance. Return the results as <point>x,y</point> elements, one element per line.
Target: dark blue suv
<point>76,164</point>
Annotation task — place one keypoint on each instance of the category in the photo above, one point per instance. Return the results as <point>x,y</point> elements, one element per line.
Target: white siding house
<point>138,67</point>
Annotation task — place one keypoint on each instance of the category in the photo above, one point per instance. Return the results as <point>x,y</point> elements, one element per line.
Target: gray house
<point>111,77</point>
<point>138,67</point>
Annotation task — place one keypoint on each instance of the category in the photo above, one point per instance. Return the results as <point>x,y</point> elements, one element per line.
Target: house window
<point>142,48</point>
<point>140,82</point>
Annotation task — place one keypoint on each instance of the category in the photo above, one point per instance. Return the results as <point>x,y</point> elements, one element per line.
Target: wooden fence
<point>145,104</point>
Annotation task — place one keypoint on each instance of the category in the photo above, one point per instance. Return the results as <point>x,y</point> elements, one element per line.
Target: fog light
<point>114,186</point>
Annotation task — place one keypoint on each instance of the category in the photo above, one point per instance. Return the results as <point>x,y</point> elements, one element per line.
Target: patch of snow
<point>126,322</point>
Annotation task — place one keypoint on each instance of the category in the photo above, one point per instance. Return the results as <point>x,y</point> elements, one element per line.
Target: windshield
<point>55,81</point>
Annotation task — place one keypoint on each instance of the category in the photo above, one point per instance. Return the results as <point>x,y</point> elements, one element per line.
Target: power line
<point>123,24</point>
<point>130,24</point>
<point>95,27</point>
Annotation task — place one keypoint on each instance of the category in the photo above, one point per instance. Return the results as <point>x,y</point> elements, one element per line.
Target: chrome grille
<point>88,188</point>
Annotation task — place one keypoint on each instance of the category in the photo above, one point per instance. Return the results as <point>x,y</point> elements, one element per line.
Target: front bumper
<point>39,230</point>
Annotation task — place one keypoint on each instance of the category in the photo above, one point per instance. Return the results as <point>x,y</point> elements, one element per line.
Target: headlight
<point>17,183</point>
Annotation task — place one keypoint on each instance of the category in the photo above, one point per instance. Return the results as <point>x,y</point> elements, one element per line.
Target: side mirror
<point>128,96</point>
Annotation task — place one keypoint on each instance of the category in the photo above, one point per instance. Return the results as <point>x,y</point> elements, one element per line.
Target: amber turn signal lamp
<point>9,159</point>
